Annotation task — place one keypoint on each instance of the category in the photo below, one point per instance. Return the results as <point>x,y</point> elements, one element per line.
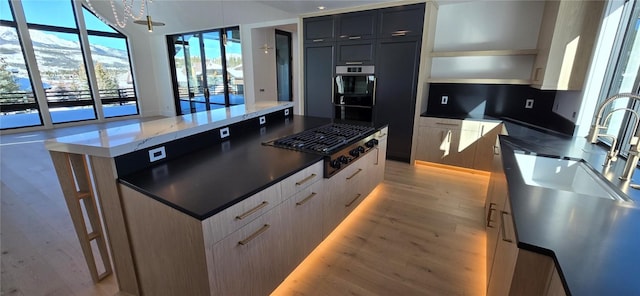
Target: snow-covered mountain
<point>54,53</point>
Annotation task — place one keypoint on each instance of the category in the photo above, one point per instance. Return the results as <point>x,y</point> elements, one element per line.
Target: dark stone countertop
<point>210,180</point>
<point>593,241</point>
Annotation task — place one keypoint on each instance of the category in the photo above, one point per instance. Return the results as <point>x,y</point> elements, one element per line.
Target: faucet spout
<point>599,124</point>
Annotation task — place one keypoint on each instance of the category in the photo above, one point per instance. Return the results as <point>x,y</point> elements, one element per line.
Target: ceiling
<point>310,6</point>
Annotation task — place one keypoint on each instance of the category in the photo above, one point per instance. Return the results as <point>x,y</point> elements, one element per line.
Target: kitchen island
<point>192,219</point>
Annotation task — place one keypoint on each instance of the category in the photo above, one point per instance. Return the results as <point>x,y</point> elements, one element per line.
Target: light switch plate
<point>263,120</point>
<point>286,112</point>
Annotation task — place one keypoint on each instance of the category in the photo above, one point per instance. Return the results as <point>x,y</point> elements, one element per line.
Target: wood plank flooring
<point>419,233</point>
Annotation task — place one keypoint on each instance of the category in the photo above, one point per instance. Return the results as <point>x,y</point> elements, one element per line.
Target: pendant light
<point>148,21</point>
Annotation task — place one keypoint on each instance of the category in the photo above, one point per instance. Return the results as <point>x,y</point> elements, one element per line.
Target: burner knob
<point>343,159</point>
<point>336,164</point>
<point>361,149</point>
<point>371,143</point>
<point>355,152</point>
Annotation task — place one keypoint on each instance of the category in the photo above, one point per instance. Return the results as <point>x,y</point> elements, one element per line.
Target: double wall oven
<point>354,93</point>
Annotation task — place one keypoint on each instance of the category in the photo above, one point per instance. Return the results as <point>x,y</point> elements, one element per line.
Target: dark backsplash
<point>498,100</point>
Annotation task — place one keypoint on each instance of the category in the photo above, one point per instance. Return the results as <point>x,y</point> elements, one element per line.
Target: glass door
<point>283,66</point>
<point>207,70</point>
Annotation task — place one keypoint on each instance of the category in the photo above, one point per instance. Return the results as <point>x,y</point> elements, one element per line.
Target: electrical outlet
<point>157,154</point>
<point>224,132</point>
<point>528,104</point>
<point>445,100</point>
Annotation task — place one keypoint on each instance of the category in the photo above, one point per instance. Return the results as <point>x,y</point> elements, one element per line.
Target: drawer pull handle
<point>249,212</point>
<point>491,209</point>
<point>496,150</point>
<point>355,37</point>
<point>447,124</point>
<point>382,135</point>
<point>353,63</point>
<point>354,174</point>
<point>502,228</point>
<point>353,200</point>
<point>254,235</point>
<point>398,34</point>
<point>318,40</point>
<point>305,180</point>
<point>306,199</point>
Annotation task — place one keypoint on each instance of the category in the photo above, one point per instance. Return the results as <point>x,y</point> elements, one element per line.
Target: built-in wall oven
<point>354,93</point>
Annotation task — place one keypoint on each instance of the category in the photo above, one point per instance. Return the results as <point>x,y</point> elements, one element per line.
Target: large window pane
<point>57,13</point>
<point>113,72</point>
<point>18,106</point>
<point>5,12</point>
<point>215,79</point>
<point>235,75</point>
<point>64,76</point>
<point>92,23</point>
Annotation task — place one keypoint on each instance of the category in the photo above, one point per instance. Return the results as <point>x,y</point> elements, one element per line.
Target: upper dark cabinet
<point>357,25</point>
<point>401,21</point>
<point>319,29</point>
<point>356,52</point>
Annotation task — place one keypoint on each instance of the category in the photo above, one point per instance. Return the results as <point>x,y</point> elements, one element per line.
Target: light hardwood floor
<point>419,233</point>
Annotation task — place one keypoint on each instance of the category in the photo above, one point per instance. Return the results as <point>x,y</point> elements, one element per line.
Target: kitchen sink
<point>566,175</point>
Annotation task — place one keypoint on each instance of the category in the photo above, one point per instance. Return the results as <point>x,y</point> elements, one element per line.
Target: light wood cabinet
<point>483,157</point>
<point>463,143</point>
<point>306,209</point>
<point>380,158</point>
<point>254,259</point>
<point>565,44</point>
<point>512,271</point>
<point>506,254</point>
<point>226,222</point>
<point>249,248</point>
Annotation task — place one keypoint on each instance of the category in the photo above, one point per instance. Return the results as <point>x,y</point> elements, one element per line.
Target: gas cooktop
<point>323,140</point>
<point>339,143</point>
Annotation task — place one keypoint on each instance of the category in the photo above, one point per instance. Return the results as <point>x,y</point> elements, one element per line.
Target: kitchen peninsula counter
<point>593,241</point>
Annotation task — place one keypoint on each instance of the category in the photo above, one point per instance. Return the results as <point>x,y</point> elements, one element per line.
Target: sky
<point>60,13</point>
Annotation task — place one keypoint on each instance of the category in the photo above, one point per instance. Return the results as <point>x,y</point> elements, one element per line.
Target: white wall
<point>149,50</point>
<point>487,25</point>
<point>264,65</point>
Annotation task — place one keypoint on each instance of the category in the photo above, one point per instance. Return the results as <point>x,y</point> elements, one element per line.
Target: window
<point>55,54</point>
<point>206,69</point>
<point>18,105</point>
<point>623,76</point>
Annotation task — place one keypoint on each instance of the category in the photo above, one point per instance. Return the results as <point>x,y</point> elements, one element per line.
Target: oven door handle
<point>373,103</point>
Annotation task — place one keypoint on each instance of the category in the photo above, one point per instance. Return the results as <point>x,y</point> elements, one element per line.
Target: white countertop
<point>121,140</point>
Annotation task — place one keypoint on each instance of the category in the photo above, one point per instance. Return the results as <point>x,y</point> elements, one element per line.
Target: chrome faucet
<point>598,124</point>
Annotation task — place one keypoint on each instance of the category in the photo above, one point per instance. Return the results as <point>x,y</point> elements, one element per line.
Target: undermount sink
<point>564,174</point>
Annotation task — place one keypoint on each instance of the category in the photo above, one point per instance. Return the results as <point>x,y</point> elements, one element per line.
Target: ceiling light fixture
<point>127,13</point>
<point>148,22</point>
<point>321,7</point>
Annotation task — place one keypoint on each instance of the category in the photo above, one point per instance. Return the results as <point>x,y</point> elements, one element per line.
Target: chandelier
<point>128,12</point>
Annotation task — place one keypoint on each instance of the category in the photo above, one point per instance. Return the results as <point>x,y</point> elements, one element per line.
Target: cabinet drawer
<point>357,25</point>
<point>441,122</point>
<point>252,260</point>
<point>222,224</point>
<point>301,180</point>
<point>319,29</point>
<point>401,21</point>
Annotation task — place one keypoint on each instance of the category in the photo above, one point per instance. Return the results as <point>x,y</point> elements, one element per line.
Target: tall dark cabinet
<point>319,57</point>
<point>397,78</point>
<point>397,65</point>
<point>388,38</point>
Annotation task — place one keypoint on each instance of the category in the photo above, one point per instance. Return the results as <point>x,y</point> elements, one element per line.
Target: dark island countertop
<point>593,241</point>
<point>210,180</point>
<point>207,181</point>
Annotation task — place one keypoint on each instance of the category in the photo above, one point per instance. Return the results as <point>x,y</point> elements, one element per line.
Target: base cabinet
<point>463,143</point>
<point>510,270</point>
<point>249,248</point>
